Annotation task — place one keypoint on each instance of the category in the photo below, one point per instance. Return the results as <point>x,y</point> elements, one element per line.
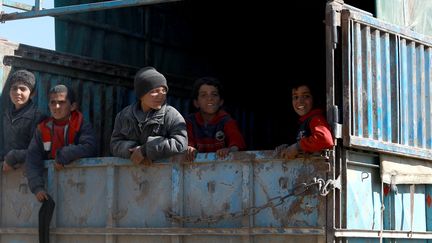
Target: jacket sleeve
<point>34,165</point>
<point>320,138</point>
<point>18,156</point>
<point>15,157</point>
<point>120,144</point>
<point>175,142</point>
<point>234,136</point>
<point>85,146</point>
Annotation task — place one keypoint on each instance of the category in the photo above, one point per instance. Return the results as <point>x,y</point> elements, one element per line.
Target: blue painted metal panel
<point>402,204</point>
<point>390,82</point>
<point>397,215</point>
<point>274,179</point>
<point>365,200</point>
<point>110,197</point>
<point>207,192</point>
<point>363,207</point>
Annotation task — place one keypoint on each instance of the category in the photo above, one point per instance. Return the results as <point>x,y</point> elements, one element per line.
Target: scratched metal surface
<point>107,198</point>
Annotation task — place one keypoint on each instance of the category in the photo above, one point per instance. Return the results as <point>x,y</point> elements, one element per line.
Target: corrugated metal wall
<point>155,35</point>
<point>388,87</point>
<point>386,94</point>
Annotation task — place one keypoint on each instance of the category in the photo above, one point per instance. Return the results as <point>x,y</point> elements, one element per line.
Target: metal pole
<point>80,8</point>
<point>20,6</point>
<point>38,5</point>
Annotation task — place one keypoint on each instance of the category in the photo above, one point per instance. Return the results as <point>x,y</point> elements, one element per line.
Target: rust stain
<point>226,206</point>
<point>284,166</point>
<point>82,220</point>
<point>22,209</point>
<point>120,214</point>
<point>80,186</point>
<point>293,210</point>
<point>283,182</point>
<point>211,186</point>
<point>141,186</point>
<point>429,200</point>
<point>241,156</point>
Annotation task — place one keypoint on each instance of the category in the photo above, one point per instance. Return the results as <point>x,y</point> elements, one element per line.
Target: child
<point>149,129</point>
<point>211,129</point>
<point>64,137</point>
<point>19,120</point>
<point>314,132</point>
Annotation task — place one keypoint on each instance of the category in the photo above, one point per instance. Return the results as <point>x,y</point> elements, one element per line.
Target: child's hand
<point>41,196</point>
<point>279,149</point>
<point>137,157</point>
<point>58,166</point>
<point>290,152</point>
<point>223,153</point>
<point>6,167</point>
<point>191,153</point>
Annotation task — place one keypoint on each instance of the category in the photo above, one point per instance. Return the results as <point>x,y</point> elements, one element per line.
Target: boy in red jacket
<point>211,129</point>
<point>314,132</point>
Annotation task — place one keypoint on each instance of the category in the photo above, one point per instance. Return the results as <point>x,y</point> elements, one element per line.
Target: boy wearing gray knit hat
<point>149,129</point>
<point>19,120</point>
<point>147,79</point>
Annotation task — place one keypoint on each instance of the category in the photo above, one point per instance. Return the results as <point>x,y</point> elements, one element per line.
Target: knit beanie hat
<point>146,79</point>
<point>25,77</point>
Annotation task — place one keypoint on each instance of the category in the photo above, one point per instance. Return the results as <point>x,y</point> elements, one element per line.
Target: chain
<point>324,187</point>
<point>272,202</point>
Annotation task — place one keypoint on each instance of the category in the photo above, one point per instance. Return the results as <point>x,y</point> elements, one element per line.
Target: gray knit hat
<point>146,79</point>
<point>25,77</point>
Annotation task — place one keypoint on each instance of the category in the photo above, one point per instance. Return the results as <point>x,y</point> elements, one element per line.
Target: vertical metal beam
<point>53,181</point>
<point>247,191</point>
<point>177,192</point>
<point>111,202</point>
<point>331,44</point>
<point>38,5</point>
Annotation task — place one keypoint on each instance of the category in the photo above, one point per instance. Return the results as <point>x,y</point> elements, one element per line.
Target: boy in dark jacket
<point>211,129</point>
<point>64,137</point>
<point>19,120</point>
<point>314,132</point>
<point>149,129</point>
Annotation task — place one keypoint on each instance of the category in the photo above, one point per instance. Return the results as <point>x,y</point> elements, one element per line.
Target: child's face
<point>302,100</point>
<point>154,99</point>
<point>208,100</point>
<point>60,106</point>
<point>19,95</point>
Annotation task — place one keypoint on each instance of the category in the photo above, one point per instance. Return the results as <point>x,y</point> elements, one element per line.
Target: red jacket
<point>318,136</point>
<point>220,132</point>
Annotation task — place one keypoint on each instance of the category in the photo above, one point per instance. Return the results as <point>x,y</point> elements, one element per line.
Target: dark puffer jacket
<point>18,130</point>
<point>160,133</point>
